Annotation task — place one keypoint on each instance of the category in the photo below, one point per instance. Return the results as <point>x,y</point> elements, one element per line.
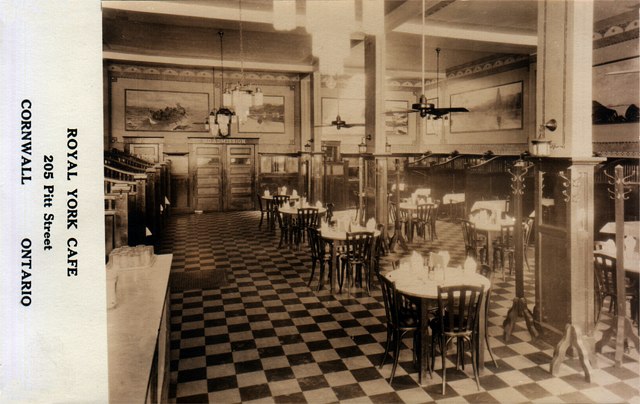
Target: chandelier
<point>331,46</point>
<point>222,121</point>
<point>284,15</point>
<point>242,97</point>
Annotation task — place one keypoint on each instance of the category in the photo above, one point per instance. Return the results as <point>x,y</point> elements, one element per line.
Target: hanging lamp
<point>224,114</point>
<point>242,97</point>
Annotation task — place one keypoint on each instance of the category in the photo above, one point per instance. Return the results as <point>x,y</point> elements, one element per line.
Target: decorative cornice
<point>193,74</point>
<point>617,29</point>
<point>617,149</point>
<point>484,65</point>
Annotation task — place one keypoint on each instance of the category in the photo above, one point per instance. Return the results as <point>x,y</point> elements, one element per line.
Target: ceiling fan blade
<point>404,111</point>
<point>457,109</point>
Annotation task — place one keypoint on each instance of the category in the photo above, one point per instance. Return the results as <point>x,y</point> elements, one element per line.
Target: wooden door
<point>239,176</point>
<point>206,168</point>
<point>180,190</point>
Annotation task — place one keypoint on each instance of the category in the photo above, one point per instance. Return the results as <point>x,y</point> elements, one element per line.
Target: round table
<point>492,230</point>
<point>416,282</point>
<point>290,212</point>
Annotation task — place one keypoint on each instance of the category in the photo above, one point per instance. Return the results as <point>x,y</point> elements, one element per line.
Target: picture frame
<point>495,108</point>
<point>165,111</point>
<point>397,117</point>
<point>616,91</point>
<point>267,118</point>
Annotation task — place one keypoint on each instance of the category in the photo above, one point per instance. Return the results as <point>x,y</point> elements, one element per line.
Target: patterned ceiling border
<point>486,64</point>
<point>617,149</point>
<point>194,74</point>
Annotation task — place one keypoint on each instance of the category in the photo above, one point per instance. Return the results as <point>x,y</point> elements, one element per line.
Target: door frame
<point>224,142</point>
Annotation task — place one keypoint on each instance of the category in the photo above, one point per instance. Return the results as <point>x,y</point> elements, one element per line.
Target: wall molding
<point>117,70</point>
<point>617,149</point>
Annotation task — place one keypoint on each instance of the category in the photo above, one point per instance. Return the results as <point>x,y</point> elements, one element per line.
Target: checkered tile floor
<point>267,337</point>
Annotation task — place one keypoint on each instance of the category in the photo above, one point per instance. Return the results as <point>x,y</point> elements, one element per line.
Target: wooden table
<point>338,238</point>
<point>497,206</point>
<point>630,229</point>
<point>415,282</point>
<point>492,230</point>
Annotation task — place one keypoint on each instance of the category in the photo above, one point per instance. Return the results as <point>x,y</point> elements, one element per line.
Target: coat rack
<point>621,326</point>
<point>519,308</point>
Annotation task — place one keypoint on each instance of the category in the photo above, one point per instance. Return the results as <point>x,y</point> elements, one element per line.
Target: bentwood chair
<point>606,278</point>
<point>284,224</point>
<point>400,320</point>
<point>474,247</point>
<point>504,250</point>
<point>307,217</point>
<point>486,271</point>
<point>422,221</point>
<point>457,319</point>
<point>321,254</point>
<point>356,258</point>
<point>277,201</point>
<point>264,210</point>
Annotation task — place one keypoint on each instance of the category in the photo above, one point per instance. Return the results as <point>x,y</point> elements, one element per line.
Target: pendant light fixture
<point>242,97</point>
<point>223,115</point>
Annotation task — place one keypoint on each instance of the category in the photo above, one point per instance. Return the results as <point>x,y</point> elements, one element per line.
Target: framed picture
<point>350,110</point>
<point>165,111</point>
<point>616,92</point>
<point>490,109</point>
<point>397,117</point>
<point>266,118</point>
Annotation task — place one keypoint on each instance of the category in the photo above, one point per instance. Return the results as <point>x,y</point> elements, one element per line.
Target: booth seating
<point>136,196</point>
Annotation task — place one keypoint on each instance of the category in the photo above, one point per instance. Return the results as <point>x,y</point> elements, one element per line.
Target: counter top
<point>132,329</point>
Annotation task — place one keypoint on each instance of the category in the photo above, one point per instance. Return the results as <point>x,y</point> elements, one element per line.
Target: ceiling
<point>186,33</point>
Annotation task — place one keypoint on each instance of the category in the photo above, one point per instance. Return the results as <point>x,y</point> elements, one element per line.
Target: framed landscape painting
<point>165,111</point>
<point>397,117</point>
<point>266,118</point>
<point>490,109</point>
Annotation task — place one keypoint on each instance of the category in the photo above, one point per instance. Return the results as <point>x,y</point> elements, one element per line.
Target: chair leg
<point>396,353</point>
<point>313,271</point>
<point>443,348</point>
<point>261,217</point>
<point>474,355</point>
<point>386,349</point>
<point>486,338</point>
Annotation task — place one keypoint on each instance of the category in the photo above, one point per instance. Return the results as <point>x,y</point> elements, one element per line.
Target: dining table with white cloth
<point>496,206</point>
<point>491,227</point>
<point>417,282</point>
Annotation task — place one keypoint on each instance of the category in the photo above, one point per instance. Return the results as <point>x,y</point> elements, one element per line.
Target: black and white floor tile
<point>268,337</point>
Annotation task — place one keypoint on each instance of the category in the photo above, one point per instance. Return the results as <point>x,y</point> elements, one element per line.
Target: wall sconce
<point>307,147</point>
<point>362,147</point>
<point>387,148</point>
<point>223,121</point>
<point>541,147</point>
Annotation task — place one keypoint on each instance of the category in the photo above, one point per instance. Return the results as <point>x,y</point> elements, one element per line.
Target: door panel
<point>180,197</point>
<point>239,177</point>
<point>206,169</point>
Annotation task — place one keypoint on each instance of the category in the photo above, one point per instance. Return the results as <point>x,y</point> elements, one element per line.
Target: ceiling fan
<point>422,106</point>
<point>339,123</point>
